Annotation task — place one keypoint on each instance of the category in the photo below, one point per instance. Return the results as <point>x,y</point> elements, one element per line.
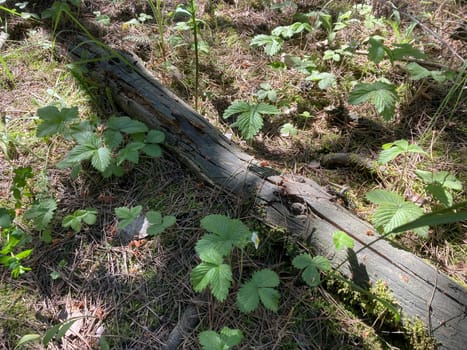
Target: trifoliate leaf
<point>288,129</point>
<point>271,43</point>
<point>382,95</point>
<point>227,339</point>
<point>311,268</point>
<point>214,273</point>
<point>75,220</point>
<point>54,121</point>
<point>41,213</point>
<point>342,240</point>
<point>127,215</point>
<point>325,80</point>
<point>158,223</point>
<point>225,234</point>
<point>126,125</point>
<point>443,178</point>
<point>231,337</point>
<point>393,149</point>
<point>260,287</point>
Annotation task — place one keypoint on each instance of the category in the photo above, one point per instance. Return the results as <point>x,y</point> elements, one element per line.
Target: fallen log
<point>297,204</point>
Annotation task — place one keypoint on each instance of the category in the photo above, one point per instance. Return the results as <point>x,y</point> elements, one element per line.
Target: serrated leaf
<point>225,234</point>
<point>321,263</point>
<point>248,298</point>
<point>393,149</point>
<point>288,129</point>
<point>155,136</point>
<point>126,125</point>
<point>152,150</point>
<point>269,298</point>
<point>311,268</point>
<point>302,261</point>
<point>443,178</point>
<point>113,138</point>
<point>127,215</point>
<point>440,193</point>
<point>231,337</point>
<point>342,240</point>
<point>210,340</point>
<point>376,51</point>
<point>393,211</point>
<point>325,80</point>
<point>101,158</point>
<point>417,72</point>
<point>54,120</point>
<point>260,287</point>
<point>41,213</point>
<point>382,95</point>
<point>213,273</point>
<point>311,276</point>
<point>406,50</point>
<point>271,43</point>
<point>384,197</point>
<point>440,217</point>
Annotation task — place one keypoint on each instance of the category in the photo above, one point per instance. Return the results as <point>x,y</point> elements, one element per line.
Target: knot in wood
<point>297,208</point>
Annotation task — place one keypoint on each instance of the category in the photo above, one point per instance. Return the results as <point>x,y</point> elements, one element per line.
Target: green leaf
<point>101,158</point>
<point>225,233</point>
<point>113,138</point>
<point>288,129</point>
<point>394,211</point>
<point>130,152</point>
<point>214,273</point>
<point>342,240</point>
<point>376,51</point>
<point>272,44</point>
<point>393,149</point>
<point>75,220</point>
<point>127,215</point>
<point>250,121</point>
<point>54,121</point>
<point>382,95</point>
<point>126,125</point>
<point>155,136</point>
<point>406,50</point>
<point>227,339</point>
<point>158,224</point>
<point>26,339</point>
<point>41,213</point>
<point>417,72</point>
<point>440,193</point>
<point>311,267</point>
<point>443,178</point>
<point>6,217</point>
<point>289,31</point>
<point>325,80</point>
<point>152,150</point>
<point>259,288</point>
<point>440,217</point>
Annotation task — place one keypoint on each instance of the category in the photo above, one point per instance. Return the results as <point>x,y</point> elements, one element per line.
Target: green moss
<point>17,318</point>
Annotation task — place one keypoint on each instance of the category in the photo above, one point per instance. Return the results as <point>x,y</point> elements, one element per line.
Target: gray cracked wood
<point>299,205</point>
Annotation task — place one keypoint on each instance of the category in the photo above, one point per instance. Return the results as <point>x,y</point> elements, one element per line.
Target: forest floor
<point>132,294</point>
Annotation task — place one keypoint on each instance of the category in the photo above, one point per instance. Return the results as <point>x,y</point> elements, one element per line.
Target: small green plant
<point>41,214</point>
<point>250,120</point>
<point>158,223</point>
<point>266,91</point>
<point>311,266</point>
<point>193,24</point>
<point>325,80</point>
<point>107,146</point>
<point>127,215</point>
<point>226,339</point>
<point>213,248</point>
<point>157,8</point>
<point>381,94</point>
<point>78,217</point>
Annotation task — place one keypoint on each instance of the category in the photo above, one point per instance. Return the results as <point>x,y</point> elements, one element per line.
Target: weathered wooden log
<point>298,204</point>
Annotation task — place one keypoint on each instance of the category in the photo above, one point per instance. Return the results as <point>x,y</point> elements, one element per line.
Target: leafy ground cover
<point>292,83</point>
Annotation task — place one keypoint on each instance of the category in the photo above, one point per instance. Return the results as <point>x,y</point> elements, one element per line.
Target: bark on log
<point>298,204</point>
